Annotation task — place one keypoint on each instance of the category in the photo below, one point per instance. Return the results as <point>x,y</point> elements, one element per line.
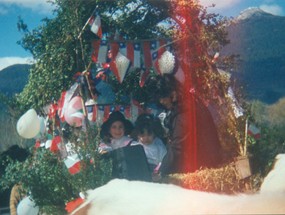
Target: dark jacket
<point>193,140</point>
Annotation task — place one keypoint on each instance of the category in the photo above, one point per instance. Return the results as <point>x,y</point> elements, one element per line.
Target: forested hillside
<point>14,78</point>
<point>259,40</point>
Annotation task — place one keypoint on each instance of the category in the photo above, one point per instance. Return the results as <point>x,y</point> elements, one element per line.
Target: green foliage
<point>45,175</point>
<point>271,121</point>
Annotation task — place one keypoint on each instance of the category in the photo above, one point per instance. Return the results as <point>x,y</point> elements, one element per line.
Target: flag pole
<point>87,22</point>
<point>245,137</point>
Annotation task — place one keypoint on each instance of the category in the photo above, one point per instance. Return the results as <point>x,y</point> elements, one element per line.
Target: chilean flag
<point>100,50</point>
<point>95,25</point>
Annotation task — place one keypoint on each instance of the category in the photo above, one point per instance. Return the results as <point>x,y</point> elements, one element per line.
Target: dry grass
<point>222,180</point>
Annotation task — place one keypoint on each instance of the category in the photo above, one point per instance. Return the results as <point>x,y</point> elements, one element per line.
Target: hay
<point>222,180</point>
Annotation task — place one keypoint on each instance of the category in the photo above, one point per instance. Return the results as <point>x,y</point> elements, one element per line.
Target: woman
<point>192,138</point>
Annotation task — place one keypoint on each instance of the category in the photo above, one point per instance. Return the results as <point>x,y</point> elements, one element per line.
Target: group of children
<point>147,131</point>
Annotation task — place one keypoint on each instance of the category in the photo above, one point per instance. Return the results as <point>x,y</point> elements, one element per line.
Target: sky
<point>33,11</point>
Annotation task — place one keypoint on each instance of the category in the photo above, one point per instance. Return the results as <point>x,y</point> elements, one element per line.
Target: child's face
<point>146,138</point>
<point>117,130</point>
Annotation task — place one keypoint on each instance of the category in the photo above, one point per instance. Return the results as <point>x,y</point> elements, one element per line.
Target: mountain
<point>14,78</point>
<point>259,40</point>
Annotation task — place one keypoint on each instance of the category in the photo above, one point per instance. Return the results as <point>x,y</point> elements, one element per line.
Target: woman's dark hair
<point>163,85</point>
<point>150,124</point>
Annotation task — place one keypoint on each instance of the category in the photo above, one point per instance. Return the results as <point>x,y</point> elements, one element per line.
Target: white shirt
<point>115,144</point>
<point>154,151</point>
<point>122,142</point>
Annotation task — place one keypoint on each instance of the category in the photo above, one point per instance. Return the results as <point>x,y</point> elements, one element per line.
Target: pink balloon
<point>73,114</point>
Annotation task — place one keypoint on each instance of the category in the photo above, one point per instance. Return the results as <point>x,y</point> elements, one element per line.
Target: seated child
<point>114,132</point>
<point>148,131</point>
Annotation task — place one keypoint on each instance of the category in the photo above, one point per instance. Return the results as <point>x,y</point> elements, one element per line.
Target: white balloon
<point>42,128</point>
<point>27,207</point>
<point>28,126</point>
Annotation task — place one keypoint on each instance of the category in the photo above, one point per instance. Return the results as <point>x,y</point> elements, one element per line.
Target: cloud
<point>219,4</point>
<point>8,61</point>
<point>273,9</point>
<point>39,6</point>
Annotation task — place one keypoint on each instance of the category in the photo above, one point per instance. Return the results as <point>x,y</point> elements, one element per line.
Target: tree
<point>59,53</point>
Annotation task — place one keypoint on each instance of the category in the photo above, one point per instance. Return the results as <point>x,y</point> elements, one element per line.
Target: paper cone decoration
<point>166,62</point>
<point>122,64</point>
<point>28,126</point>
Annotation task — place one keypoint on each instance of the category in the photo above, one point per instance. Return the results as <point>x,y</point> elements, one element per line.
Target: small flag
<point>215,58</point>
<point>95,25</point>
<point>54,143</point>
<point>65,99</point>
<point>254,131</point>
<point>72,162</point>
<point>72,205</point>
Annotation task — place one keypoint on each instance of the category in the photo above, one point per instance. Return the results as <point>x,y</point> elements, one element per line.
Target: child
<point>148,131</point>
<point>128,157</point>
<point>114,132</point>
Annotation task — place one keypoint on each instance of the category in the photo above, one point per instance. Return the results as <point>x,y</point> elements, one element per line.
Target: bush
<point>46,177</point>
